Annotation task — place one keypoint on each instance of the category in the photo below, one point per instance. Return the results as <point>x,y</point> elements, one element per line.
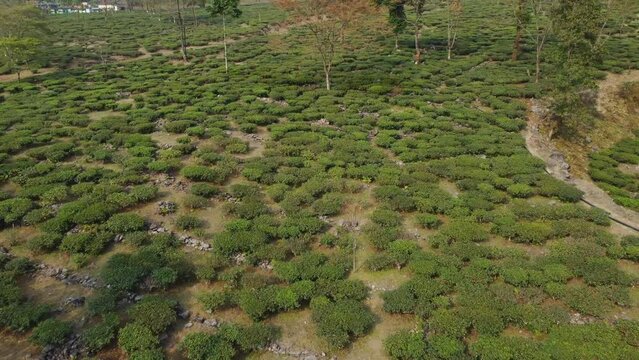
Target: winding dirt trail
<point>540,145</point>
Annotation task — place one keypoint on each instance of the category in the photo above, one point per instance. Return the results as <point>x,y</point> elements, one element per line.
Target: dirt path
<point>540,145</point>
<point>26,74</point>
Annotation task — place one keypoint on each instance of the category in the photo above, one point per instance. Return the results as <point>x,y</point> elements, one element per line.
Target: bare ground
<point>610,105</point>
<point>26,74</point>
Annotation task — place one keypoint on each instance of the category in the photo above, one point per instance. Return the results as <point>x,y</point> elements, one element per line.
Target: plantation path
<point>541,146</point>
<point>26,74</point>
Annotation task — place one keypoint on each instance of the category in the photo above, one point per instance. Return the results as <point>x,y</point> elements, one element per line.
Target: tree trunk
<point>449,52</point>
<point>396,42</point>
<point>226,59</point>
<point>417,50</point>
<point>538,64</point>
<point>328,79</point>
<point>519,18</point>
<point>19,75</point>
<point>194,15</point>
<point>517,44</point>
<point>182,32</point>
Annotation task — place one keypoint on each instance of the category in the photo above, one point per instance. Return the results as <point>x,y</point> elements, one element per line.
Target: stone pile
<point>280,349</point>
<point>74,301</point>
<point>211,323</point>
<point>166,207</point>
<point>157,229</point>
<point>268,100</point>
<point>254,137</point>
<point>350,225</point>
<point>72,349</point>
<point>195,243</point>
<point>239,259</point>
<point>66,276</point>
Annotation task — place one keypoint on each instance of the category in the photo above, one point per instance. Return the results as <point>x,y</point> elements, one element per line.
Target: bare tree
<point>327,20</point>
<point>539,11</point>
<point>454,9</point>
<point>182,27</point>
<point>522,19</point>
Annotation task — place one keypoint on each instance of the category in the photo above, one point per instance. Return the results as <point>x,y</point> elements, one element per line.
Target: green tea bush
<point>342,321</point>
<point>51,332</point>
<point>100,335</point>
<point>189,222</point>
<point>154,313</point>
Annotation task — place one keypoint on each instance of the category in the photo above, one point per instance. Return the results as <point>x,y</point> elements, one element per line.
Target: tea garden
<point>297,198</point>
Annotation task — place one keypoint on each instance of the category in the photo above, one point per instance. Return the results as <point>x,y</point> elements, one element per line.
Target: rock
<point>74,301</point>
<point>184,314</point>
<point>239,258</point>
<point>166,207</point>
<point>210,322</point>
<point>188,325</point>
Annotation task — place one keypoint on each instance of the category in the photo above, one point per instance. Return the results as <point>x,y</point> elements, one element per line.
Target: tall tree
<point>396,17</point>
<point>225,8</point>
<point>327,21</point>
<point>22,30</point>
<point>182,28</point>
<point>18,51</point>
<point>538,13</point>
<point>454,9</point>
<point>400,22</point>
<point>522,19</point>
<point>579,26</point>
<point>193,4</point>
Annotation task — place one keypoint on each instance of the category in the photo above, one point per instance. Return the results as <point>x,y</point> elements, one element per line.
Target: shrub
<point>102,303</point>
<point>102,334</point>
<point>214,300</point>
<point>381,237</point>
<point>555,188</point>
<point>520,190</point>
<point>125,223</point>
<point>203,346</point>
<point>44,243</point>
<point>148,354</point>
<point>429,221</point>
<point>629,330</point>
<point>449,323</point>
<point>154,313</point>
<point>122,273</point>
<point>446,347</point>
<point>203,173</point>
<point>341,321</point>
<point>18,265</point>
<point>164,277</point>
<point>195,202</point>
<point>463,231</point>
<point>204,189</point>
<point>406,345</point>
<point>329,205</point>
<point>386,218</point>
<point>21,317</point>
<point>51,332</point>
<point>135,337</point>
<point>189,222</point>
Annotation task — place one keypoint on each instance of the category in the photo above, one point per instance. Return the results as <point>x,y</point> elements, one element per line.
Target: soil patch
<point>26,74</point>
